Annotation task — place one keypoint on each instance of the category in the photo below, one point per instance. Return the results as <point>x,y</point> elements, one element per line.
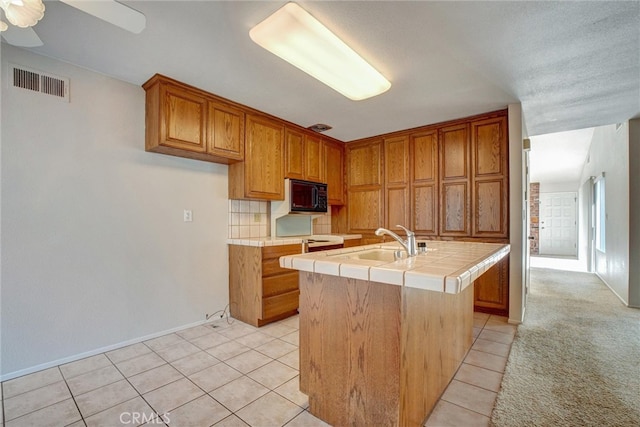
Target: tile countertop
<point>446,267</point>
<point>293,240</point>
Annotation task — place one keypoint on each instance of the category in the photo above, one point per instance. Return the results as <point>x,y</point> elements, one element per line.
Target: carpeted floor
<point>575,360</point>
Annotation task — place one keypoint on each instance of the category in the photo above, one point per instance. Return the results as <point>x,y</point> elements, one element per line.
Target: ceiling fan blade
<point>23,37</point>
<point>112,12</point>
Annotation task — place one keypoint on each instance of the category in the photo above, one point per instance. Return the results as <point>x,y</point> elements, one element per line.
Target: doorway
<point>558,224</point>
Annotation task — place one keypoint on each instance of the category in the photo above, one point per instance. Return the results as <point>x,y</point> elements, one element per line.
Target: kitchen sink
<point>373,254</point>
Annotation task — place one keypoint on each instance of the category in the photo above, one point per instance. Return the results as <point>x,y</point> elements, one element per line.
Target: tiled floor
<point>230,375</point>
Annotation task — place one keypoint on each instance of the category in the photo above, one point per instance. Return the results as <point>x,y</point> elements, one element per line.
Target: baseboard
<point>62,361</point>
<point>626,304</point>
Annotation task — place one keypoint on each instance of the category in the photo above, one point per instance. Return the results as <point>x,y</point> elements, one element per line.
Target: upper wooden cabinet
<point>364,163</point>
<point>187,122</point>
<point>455,218</point>
<point>423,149</point>
<point>364,186</point>
<point>396,182</point>
<point>333,155</point>
<point>489,154</point>
<point>261,175</point>
<point>303,156</point>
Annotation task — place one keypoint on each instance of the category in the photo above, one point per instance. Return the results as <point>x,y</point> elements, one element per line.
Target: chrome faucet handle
<point>409,232</point>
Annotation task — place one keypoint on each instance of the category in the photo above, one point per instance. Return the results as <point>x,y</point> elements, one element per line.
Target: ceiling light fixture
<point>297,37</point>
<point>21,13</point>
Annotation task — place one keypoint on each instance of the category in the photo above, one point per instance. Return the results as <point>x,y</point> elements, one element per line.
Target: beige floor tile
<point>293,322</point>
<point>216,376</point>
<point>208,341</point>
<point>277,330</point>
<point>496,336</point>
<point>248,361</point>
<point>77,424</point>
<point>476,332</point>
<point>195,332</point>
<point>480,319</point>
<point>486,360</point>
<point>82,366</point>
<point>231,421</point>
<point>447,414</point>
<point>269,410</point>
<point>59,414</point>
<point>194,363</point>
<point>502,327</point>
<point>33,400</point>
<point>155,378</point>
<point>273,374</point>
<point>471,397</point>
<point>292,338</point>
<point>173,395</point>
<point>276,348</point>
<point>237,330</point>
<point>305,419</point>
<point>132,412</point>
<point>239,393</point>
<point>94,379</point>
<point>220,324</point>
<point>164,341</point>
<point>203,411</point>
<point>31,382</point>
<point>177,351</point>
<point>291,391</point>
<point>291,359</point>
<point>105,397</point>
<point>255,339</point>
<point>479,377</point>
<point>140,364</point>
<point>129,352</point>
<point>492,347</point>
<point>227,350</point>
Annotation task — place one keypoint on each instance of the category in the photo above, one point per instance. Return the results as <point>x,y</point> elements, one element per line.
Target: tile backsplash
<point>251,219</point>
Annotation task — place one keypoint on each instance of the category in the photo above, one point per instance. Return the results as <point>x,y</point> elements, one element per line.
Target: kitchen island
<point>381,339</point>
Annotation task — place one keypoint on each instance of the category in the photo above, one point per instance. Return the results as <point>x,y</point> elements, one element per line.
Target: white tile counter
<point>446,266</point>
<point>294,240</point>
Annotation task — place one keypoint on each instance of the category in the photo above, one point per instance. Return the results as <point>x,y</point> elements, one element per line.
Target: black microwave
<point>307,196</point>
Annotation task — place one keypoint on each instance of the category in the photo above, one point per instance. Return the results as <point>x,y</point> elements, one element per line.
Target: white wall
<point>517,218</point>
<point>94,248</point>
<point>634,212</point>
<point>609,153</point>
<point>559,187</point>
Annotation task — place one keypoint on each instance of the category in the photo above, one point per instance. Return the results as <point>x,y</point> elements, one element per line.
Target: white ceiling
<point>559,157</point>
<point>572,65</point>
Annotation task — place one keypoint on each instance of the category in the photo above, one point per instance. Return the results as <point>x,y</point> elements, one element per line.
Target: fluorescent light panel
<point>297,37</point>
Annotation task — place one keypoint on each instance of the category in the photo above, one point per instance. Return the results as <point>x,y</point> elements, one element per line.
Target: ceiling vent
<point>38,81</point>
<point>319,127</point>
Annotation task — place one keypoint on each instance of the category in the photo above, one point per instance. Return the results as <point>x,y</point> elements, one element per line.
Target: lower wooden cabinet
<point>349,243</point>
<point>491,290</point>
<point>260,291</point>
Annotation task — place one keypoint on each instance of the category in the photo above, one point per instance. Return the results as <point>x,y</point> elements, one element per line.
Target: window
<point>600,212</point>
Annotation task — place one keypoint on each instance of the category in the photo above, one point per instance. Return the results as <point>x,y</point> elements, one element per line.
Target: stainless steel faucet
<point>409,245</point>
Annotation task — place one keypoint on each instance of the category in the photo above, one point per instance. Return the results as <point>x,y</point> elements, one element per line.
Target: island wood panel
<point>225,132</point>
<point>184,119</point>
<point>343,323</point>
<point>454,214</point>
<point>424,207</point>
<point>294,154</point>
<point>437,333</point>
<point>245,283</point>
<point>489,208</point>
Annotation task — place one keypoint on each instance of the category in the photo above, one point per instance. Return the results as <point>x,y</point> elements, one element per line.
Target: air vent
<point>38,81</point>
<point>320,127</point>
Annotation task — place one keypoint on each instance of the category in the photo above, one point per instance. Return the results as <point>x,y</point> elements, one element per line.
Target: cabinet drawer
<point>280,304</point>
<point>279,284</point>
<point>278,251</point>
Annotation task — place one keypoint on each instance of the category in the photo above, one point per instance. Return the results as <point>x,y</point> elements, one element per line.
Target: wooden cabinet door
<point>225,131</point>
<point>264,161</point>
<point>294,154</point>
<point>333,156</point>
<point>396,182</point>
<point>314,170</point>
<point>455,197</point>
<point>491,290</point>
<point>365,191</point>
<point>423,149</point>
<point>183,119</point>
<point>489,153</point>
